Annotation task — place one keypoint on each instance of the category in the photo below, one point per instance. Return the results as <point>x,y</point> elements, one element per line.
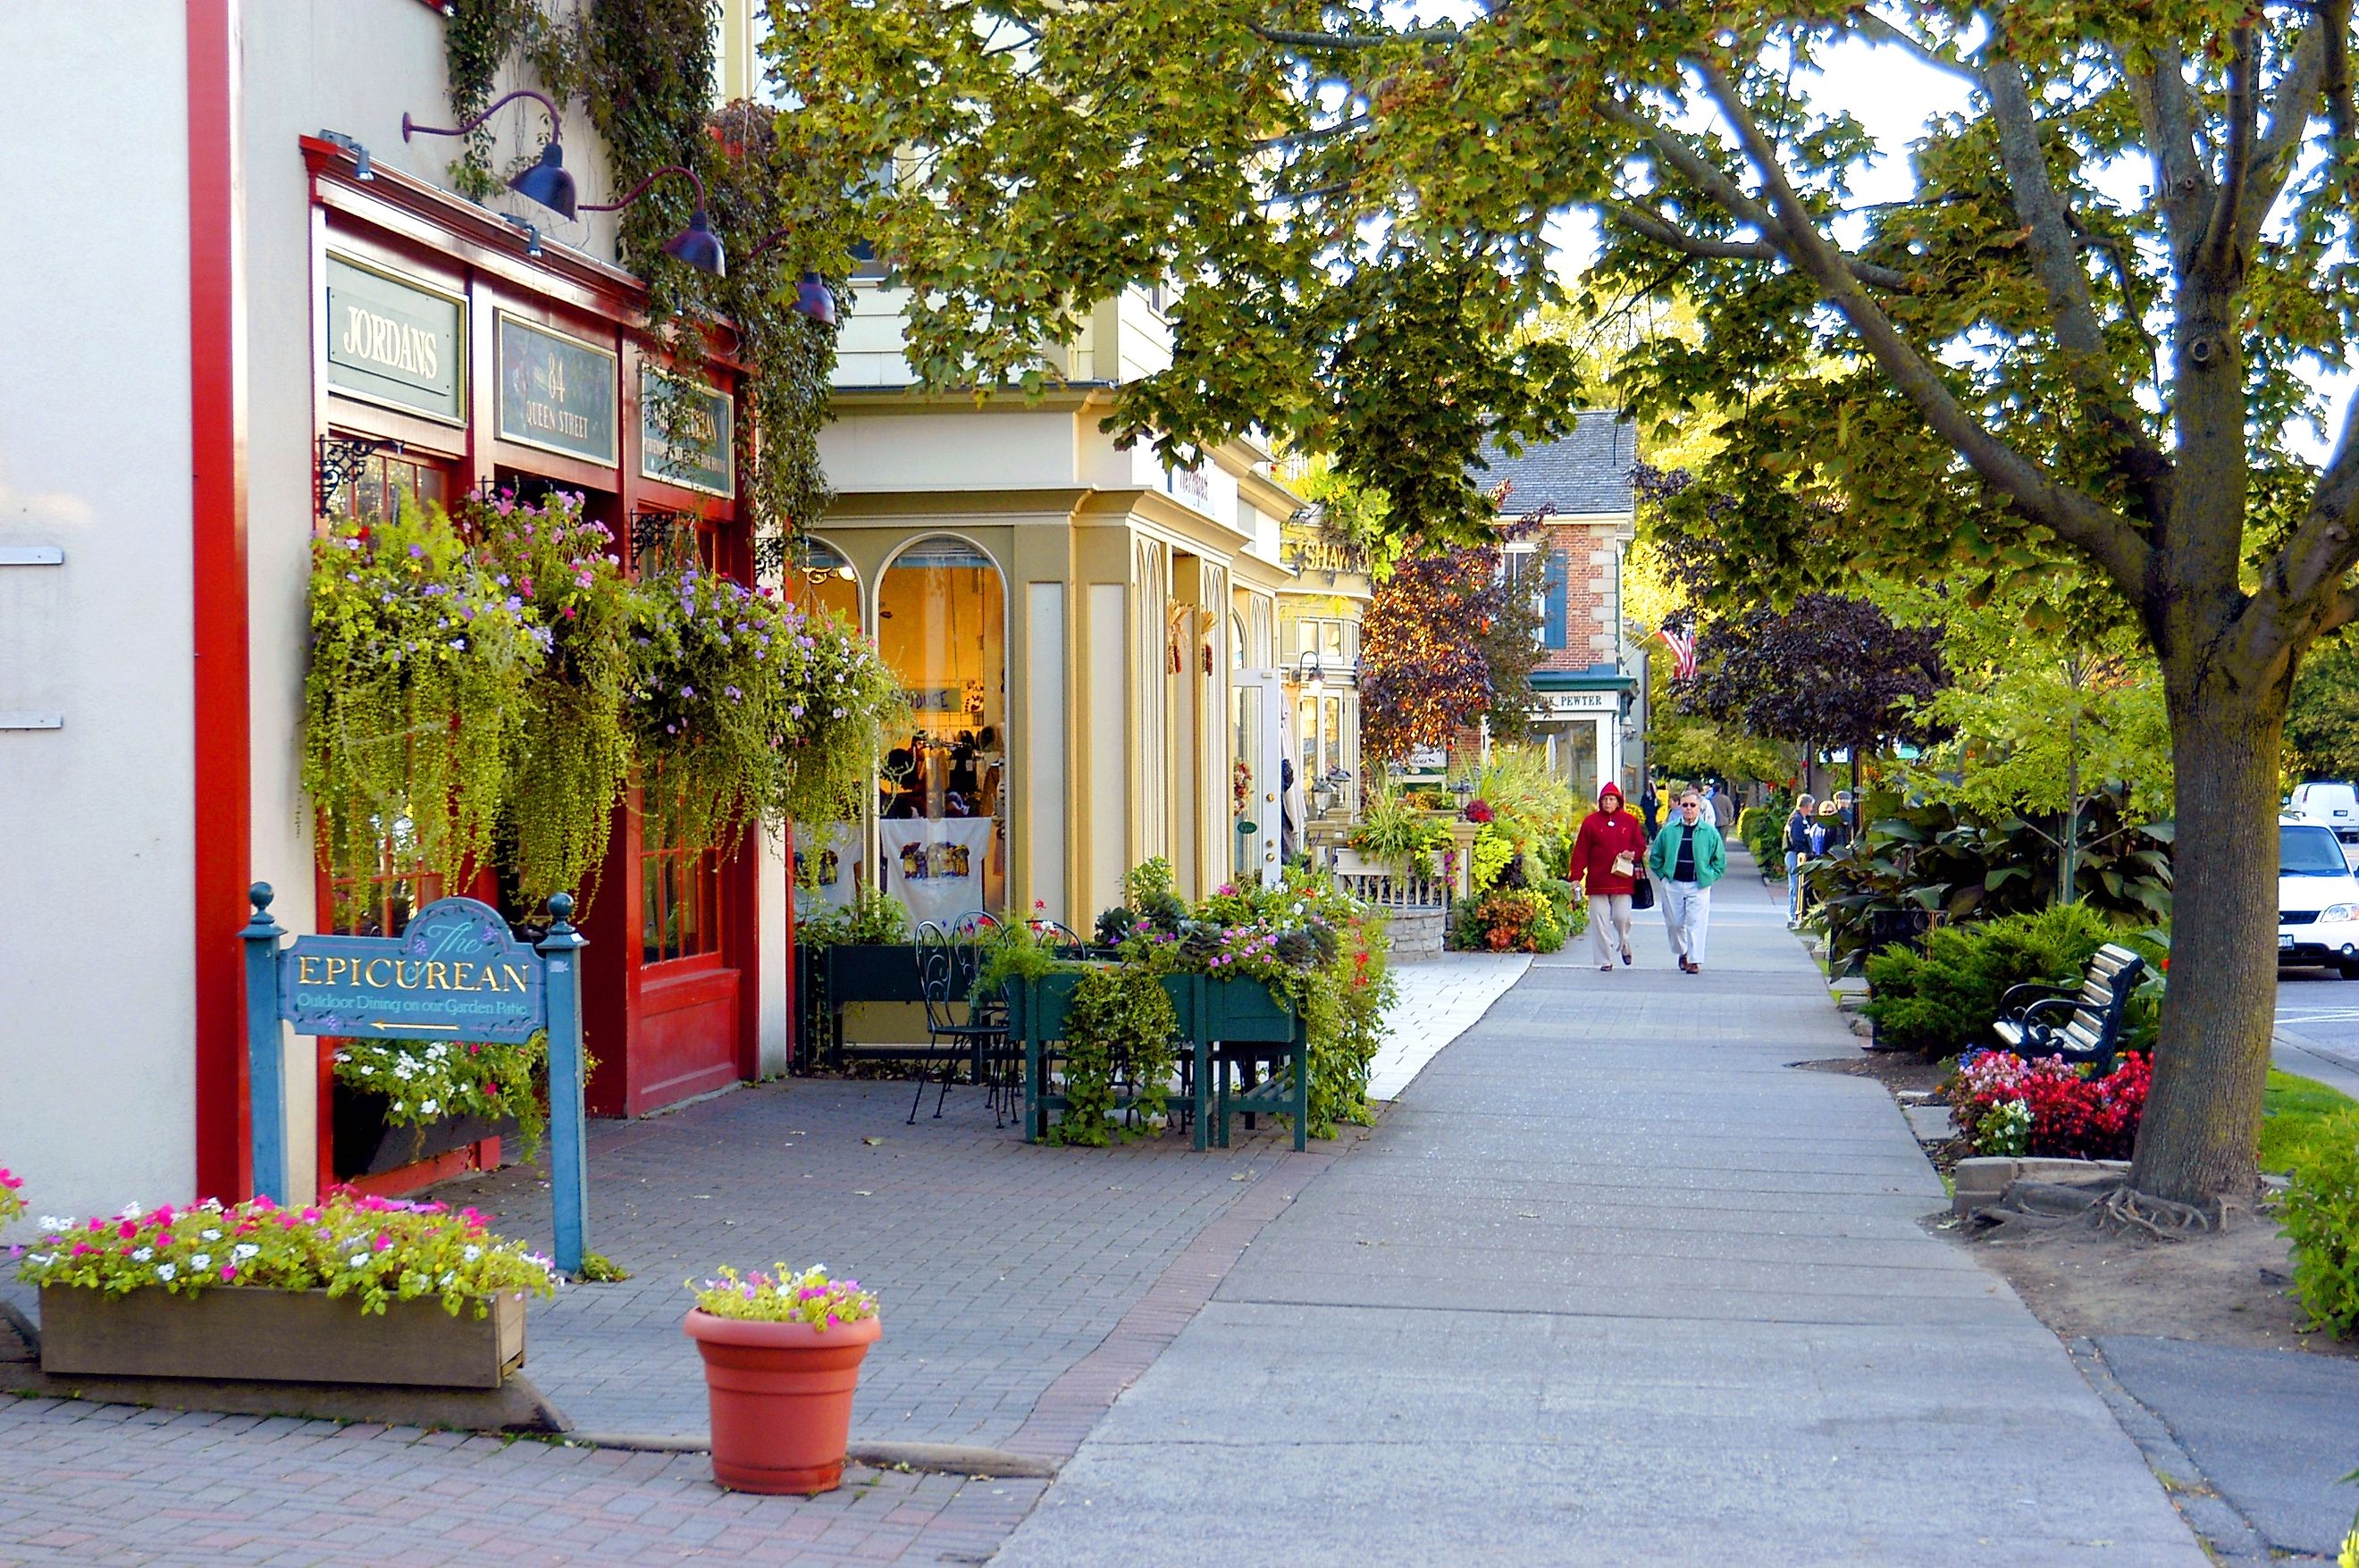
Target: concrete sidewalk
<point>1613,1284</point>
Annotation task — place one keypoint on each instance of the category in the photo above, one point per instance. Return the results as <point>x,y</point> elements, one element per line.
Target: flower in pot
<point>782,1353</point>
<point>12,1206</point>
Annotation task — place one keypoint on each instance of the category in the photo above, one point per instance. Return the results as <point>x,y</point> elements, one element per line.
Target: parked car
<point>2334,806</point>
<point>2318,899</point>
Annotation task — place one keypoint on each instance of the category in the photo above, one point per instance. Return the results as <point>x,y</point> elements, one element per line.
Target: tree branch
<point>1878,28</point>
<point>2305,581</point>
<point>2077,520</point>
<point>2168,118</point>
<point>1286,38</point>
<point>2289,113</point>
<point>1671,236</point>
<point>2218,256</point>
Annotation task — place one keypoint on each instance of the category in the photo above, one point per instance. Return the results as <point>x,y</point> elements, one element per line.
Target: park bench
<point>2079,1025</point>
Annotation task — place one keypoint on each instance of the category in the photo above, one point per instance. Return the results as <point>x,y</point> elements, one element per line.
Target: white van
<point>2334,806</point>
<point>2318,900</point>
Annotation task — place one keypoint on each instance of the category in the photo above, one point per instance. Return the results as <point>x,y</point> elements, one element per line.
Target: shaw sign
<point>454,974</point>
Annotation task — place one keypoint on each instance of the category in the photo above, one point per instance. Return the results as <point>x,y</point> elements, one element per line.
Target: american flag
<point>1682,646</point>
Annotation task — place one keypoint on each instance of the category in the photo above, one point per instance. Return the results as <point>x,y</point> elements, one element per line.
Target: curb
<point>2225,1533</point>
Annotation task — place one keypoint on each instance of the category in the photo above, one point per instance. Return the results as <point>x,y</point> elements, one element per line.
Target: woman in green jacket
<point>1686,859</point>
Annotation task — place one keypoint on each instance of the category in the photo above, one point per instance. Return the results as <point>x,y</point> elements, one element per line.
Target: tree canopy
<point>2077,341</point>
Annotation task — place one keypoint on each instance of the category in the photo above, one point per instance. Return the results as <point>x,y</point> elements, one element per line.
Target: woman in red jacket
<point>1609,854</point>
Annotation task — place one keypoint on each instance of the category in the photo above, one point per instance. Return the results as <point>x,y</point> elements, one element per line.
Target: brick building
<point>1590,677</point>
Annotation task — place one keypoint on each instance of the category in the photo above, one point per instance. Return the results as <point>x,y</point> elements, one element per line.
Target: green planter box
<point>285,1336</point>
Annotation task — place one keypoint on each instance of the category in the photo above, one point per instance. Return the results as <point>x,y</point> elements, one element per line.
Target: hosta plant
<point>428,1081</point>
<point>378,1250</point>
<point>785,1295</point>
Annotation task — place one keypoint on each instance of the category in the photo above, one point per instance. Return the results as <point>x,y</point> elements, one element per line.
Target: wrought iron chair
<point>945,971</point>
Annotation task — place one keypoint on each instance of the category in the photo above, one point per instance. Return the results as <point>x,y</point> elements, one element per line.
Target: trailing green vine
<point>1119,1025</point>
<point>421,674</point>
<point>574,753</point>
<point>425,1081</point>
<point>644,70</point>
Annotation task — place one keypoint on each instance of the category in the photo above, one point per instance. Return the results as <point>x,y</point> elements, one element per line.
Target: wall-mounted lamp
<point>361,168</point>
<point>696,244</point>
<point>546,181</point>
<point>813,298</point>
<point>531,233</point>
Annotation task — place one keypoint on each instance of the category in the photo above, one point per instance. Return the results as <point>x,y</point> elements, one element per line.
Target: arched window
<point>942,624</point>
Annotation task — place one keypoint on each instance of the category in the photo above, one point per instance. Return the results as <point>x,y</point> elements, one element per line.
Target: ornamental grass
<point>380,1250</point>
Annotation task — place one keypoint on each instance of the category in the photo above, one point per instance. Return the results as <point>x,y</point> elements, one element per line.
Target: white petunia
<point>165,1272</point>
<point>244,1250</point>
<point>143,1254</point>
<point>357,1260</point>
<point>50,1222</point>
<point>472,1253</point>
<point>430,1107</point>
<point>211,1234</point>
<point>130,1212</point>
<point>201,1260</point>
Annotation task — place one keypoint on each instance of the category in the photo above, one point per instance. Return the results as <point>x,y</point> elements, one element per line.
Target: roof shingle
<point>1586,472</point>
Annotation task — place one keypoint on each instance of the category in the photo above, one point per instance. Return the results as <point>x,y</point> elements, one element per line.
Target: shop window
<point>1306,733</point>
<point>679,886</point>
<point>828,581</point>
<point>386,482</point>
<point>382,904</point>
<point>941,626</point>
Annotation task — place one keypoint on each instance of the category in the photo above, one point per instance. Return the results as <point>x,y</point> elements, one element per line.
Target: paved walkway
<point>1613,1284</point>
<point>1438,1001</point>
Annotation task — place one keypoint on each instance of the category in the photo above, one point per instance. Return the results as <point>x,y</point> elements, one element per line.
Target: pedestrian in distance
<point>1606,856</point>
<point>1687,858</point>
<point>1833,832</point>
<point>1651,806</point>
<point>1797,850</point>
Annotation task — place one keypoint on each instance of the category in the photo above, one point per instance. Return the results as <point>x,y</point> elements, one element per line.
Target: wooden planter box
<point>366,1144</point>
<point>283,1337</point>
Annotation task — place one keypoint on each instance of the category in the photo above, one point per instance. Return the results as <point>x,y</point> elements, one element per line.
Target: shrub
<point>2049,1108</point>
<point>873,917</point>
<point>2320,1215</point>
<point>1945,998</point>
<point>1512,919</point>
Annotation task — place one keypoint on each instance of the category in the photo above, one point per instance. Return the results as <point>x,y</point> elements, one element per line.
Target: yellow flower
<point>2349,1558</point>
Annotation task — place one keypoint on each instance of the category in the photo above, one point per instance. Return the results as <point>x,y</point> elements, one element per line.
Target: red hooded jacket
<point>1603,836</point>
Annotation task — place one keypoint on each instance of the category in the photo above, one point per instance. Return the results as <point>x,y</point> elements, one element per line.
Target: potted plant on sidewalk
<point>782,1353</point>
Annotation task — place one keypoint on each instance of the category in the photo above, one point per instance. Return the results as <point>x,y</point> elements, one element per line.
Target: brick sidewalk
<point>1023,1289</point>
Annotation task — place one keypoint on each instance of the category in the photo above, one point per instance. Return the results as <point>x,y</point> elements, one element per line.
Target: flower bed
<point>2049,1108</point>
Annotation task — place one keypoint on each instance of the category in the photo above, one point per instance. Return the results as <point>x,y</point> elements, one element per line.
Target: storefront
<point>451,363</point>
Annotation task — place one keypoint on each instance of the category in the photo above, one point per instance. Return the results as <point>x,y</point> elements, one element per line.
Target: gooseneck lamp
<point>696,244</point>
<point>546,181</point>
<point>813,298</point>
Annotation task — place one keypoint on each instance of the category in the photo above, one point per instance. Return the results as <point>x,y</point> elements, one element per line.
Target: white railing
<point>1396,890</point>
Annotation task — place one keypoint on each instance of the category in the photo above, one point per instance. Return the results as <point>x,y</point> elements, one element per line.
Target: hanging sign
<point>396,342</point>
<point>686,433</point>
<point>456,974</point>
<point>556,392</point>
<point>453,973</point>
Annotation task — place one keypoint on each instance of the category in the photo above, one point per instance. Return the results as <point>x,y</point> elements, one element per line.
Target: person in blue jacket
<point>1686,859</point>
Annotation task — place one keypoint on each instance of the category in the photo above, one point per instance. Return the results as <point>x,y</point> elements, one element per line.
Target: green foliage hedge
<point>1944,999</point>
<point>2321,1213</point>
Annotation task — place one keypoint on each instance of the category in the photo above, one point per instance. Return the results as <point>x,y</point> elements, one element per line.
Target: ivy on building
<point>645,74</point>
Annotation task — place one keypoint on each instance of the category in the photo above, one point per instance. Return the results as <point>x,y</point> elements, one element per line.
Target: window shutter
<point>1552,634</point>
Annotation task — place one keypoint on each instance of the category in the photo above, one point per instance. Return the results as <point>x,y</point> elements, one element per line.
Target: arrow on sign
<point>380,1023</point>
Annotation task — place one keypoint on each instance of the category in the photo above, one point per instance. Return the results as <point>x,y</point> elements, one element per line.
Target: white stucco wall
<point>96,1041</point>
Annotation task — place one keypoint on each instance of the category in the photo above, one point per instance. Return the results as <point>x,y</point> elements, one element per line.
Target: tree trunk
<point>2203,1115</point>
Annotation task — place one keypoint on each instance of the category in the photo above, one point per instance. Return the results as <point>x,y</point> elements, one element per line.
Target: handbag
<point>1642,890</point>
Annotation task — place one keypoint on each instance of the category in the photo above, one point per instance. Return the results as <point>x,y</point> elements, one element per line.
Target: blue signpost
<point>454,974</point>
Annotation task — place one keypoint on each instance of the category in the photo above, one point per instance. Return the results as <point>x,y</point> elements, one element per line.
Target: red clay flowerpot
<point>781,1397</point>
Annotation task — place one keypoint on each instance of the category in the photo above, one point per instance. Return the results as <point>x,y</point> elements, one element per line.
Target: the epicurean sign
<point>453,973</point>
<point>685,433</point>
<point>556,393</point>
<point>396,343</point>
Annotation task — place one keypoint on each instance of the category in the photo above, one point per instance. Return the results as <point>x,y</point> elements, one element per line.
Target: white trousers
<point>1606,909</point>
<point>1687,915</point>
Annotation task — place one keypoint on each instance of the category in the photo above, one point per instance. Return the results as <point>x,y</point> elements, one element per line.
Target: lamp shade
<point>814,298</point>
<point>697,245</point>
<point>547,182</point>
